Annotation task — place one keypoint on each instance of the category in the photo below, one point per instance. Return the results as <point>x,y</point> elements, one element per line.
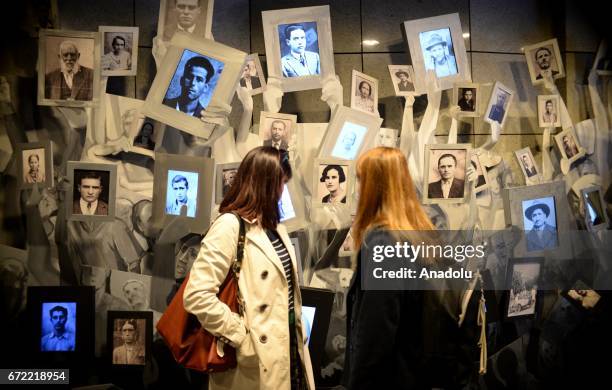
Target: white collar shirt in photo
<point>91,210</point>
<point>69,76</point>
<point>446,186</point>
<point>190,30</point>
<point>247,83</point>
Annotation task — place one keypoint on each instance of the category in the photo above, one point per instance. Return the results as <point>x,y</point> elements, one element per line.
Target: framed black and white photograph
<point>68,68</point>
<point>119,49</point>
<point>364,93</point>
<point>299,48</point>
<point>332,182</point>
<point>544,58</point>
<point>581,296</point>
<point>445,173</point>
<point>194,74</point>
<point>437,44</point>
<point>292,207</point>
<point>93,195</point>
<point>225,174</point>
<point>183,188</point>
<point>147,133</point>
<point>193,17</point>
<point>402,78</point>
<point>522,280</point>
<point>349,133</point>
<point>387,137</point>
<point>466,96</point>
<point>276,129</point>
<point>548,111</point>
<point>568,145</point>
<point>528,166</point>
<point>35,165</point>
<point>541,214</point>
<point>129,338</point>
<point>252,77</point>
<point>482,179</point>
<point>594,208</point>
<point>499,104</point>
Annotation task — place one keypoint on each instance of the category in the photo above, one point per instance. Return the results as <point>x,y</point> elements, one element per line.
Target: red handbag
<point>191,345</point>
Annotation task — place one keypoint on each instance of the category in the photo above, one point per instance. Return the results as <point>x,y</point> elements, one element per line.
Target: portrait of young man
<point>448,186</point>
<point>278,135</point>
<point>62,337</point>
<point>72,80</point>
<point>296,60</point>
<point>467,101</point>
<point>544,58</point>
<point>132,349</point>
<point>90,186</point>
<point>120,56</point>
<point>528,166</point>
<point>498,110</point>
<point>178,195</point>
<point>540,224</point>
<point>332,176</point>
<point>188,16</point>
<point>404,84</point>
<point>549,115</point>
<point>437,52</point>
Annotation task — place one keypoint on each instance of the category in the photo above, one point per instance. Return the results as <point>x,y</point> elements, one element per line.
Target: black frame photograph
<point>522,280</point>
<point>129,336</point>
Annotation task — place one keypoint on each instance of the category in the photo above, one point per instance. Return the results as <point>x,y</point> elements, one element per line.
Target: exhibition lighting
<point>370,42</point>
<point>466,35</point>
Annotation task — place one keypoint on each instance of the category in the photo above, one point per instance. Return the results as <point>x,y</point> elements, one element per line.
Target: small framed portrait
<point>466,95</point>
<point>499,103</point>
<point>349,133</point>
<point>291,207</point>
<point>582,296</point>
<point>68,68</point>
<point>276,129</point>
<point>194,74</point>
<point>445,173</point>
<point>522,280</point>
<point>225,174</point>
<point>548,111</point>
<point>544,58</point>
<point>387,137</point>
<point>299,48</point>
<point>568,145</point>
<point>252,77</point>
<point>35,164</point>
<point>526,162</point>
<point>541,214</point>
<point>129,338</point>
<point>61,322</point>
<point>119,50</point>
<point>183,188</point>
<point>402,78</point>
<point>594,208</point>
<point>437,44</point>
<point>146,134</point>
<point>482,179</point>
<point>332,182</point>
<point>193,17</point>
<point>364,93</point>
<point>93,194</point>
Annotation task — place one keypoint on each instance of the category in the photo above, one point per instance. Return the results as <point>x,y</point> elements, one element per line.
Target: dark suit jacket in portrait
<point>497,113</point>
<point>138,141</point>
<point>326,199</point>
<point>174,101</point>
<point>82,85</point>
<point>102,208</point>
<point>283,144</point>
<point>539,76</point>
<point>292,67</point>
<point>465,105</point>
<point>170,29</point>
<point>545,239</point>
<point>434,190</point>
<point>407,86</point>
<point>531,172</point>
<point>255,83</point>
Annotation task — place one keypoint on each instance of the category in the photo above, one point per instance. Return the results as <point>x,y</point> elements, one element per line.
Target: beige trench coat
<point>262,334</point>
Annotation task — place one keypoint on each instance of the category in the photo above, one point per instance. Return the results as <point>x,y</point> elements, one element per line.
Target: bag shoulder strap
<point>238,262</point>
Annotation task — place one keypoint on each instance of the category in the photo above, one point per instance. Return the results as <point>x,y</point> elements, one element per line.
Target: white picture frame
<point>370,103</point>
<point>105,207</point>
<point>425,33</point>
<point>109,63</point>
<point>402,89</point>
<point>252,65</point>
<point>568,145</point>
<point>203,23</point>
<point>532,174</point>
<point>158,104</point>
<point>552,118</point>
<point>266,122</point>
<point>499,104</point>
<point>316,23</point>
<point>296,218</point>
<point>555,61</point>
<point>595,216</point>
<point>221,178</point>
<point>467,108</point>
<point>434,155</point>
<point>326,167</point>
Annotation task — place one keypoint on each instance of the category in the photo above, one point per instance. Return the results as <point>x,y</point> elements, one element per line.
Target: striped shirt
<point>285,259</point>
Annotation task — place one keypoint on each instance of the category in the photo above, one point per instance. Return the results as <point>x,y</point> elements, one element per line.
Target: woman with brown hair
<point>268,337</point>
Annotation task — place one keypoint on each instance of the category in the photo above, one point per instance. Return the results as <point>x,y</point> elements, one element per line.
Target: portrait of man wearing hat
<point>437,55</point>
<point>404,84</point>
<point>541,235</point>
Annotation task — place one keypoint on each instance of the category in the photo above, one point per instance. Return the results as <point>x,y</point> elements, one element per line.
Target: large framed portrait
<point>437,44</point>
<point>34,164</point>
<point>522,281</point>
<point>129,338</point>
<point>68,68</point>
<point>193,17</point>
<point>594,208</point>
<point>544,58</point>
<point>548,111</point>
<point>568,145</point>
<point>119,49</point>
<point>466,96</point>
<point>183,188</point>
<point>299,48</point>
<point>445,173</point>
<point>332,182</point>
<point>364,93</point>
<point>277,130</point>
<point>528,166</point>
<point>93,194</point>
<point>541,212</point>
<point>292,207</point>
<point>193,75</point>
<point>402,78</point>
<point>252,77</point>
<point>499,104</point>
<point>225,174</point>
<point>349,133</point>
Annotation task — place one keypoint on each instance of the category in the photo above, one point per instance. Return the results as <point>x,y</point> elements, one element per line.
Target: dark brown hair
<point>255,191</point>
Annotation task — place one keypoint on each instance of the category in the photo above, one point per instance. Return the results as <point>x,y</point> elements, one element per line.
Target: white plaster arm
<point>159,50</point>
<point>331,93</point>
<point>430,120</point>
<point>452,132</point>
<point>273,95</point>
<point>246,99</point>
<point>495,132</point>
